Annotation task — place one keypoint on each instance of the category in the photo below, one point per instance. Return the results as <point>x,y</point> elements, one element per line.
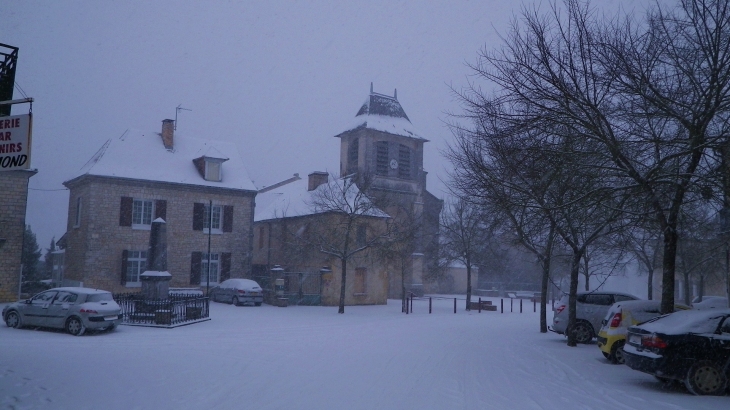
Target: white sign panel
<point>15,132</point>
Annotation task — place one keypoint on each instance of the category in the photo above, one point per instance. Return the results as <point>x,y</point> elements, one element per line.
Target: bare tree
<point>464,232</point>
<point>355,225</point>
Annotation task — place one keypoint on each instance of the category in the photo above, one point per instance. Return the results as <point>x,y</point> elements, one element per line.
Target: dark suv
<point>692,346</point>
<point>591,308</point>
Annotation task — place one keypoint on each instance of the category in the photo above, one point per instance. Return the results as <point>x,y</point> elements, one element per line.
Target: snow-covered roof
<point>293,199</point>
<point>383,113</point>
<point>142,155</point>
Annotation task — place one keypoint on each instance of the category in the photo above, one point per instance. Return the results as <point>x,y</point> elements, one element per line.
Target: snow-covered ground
<point>372,357</point>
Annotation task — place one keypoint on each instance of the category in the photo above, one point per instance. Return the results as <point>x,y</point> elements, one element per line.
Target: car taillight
<point>653,341</point>
<point>559,309</point>
<point>241,292</point>
<point>615,320</point>
<point>88,311</point>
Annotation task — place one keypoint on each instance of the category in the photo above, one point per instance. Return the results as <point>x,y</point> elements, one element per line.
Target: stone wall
<point>94,248</point>
<point>13,200</point>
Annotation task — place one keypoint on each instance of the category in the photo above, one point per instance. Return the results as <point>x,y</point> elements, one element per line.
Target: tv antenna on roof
<point>177,110</point>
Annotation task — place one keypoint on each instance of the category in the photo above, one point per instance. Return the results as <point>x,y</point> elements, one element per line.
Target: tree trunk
<point>587,274</point>
<point>650,285</point>
<point>546,261</point>
<point>468,284</point>
<point>668,268</point>
<point>574,271</point>
<point>342,286</point>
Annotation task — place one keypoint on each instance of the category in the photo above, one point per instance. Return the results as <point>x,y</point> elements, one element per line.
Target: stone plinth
<point>155,285</point>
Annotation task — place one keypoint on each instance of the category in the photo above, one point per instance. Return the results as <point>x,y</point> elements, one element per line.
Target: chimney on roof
<point>168,131</point>
<point>395,94</point>
<point>371,87</point>
<point>316,179</point>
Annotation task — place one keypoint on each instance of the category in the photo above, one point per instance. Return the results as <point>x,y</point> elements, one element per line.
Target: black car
<point>690,346</point>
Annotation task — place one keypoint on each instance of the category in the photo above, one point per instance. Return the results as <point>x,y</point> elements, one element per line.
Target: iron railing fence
<point>177,309</point>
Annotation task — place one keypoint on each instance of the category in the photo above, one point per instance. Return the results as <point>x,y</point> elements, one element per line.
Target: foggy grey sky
<point>279,78</point>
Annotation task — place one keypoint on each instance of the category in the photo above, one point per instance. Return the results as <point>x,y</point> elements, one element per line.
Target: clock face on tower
<point>393,164</point>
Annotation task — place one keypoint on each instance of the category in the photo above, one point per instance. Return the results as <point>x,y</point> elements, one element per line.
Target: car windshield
<point>100,297</point>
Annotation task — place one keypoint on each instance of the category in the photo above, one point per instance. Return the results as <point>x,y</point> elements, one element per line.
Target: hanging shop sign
<point>15,135</point>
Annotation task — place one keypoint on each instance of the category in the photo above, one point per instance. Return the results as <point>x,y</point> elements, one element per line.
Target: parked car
<point>692,346</point>
<point>710,302</point>
<point>591,308</point>
<point>620,316</point>
<point>238,291</point>
<point>73,309</point>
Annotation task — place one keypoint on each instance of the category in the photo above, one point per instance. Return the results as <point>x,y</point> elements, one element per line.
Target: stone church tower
<point>384,150</point>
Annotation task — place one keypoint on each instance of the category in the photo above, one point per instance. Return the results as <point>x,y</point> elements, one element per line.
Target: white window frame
<point>136,260</point>
<point>77,221</point>
<point>215,268</point>
<point>217,221</point>
<point>213,170</point>
<point>139,223</point>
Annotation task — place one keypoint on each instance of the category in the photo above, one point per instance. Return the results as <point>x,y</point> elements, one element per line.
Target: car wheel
<point>74,326</point>
<point>235,301</point>
<point>583,332</point>
<point>111,328</point>
<point>705,378</point>
<point>12,319</point>
<point>617,353</point>
<point>257,303</point>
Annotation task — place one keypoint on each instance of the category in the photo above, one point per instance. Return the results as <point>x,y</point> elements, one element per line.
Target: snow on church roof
<point>384,113</point>
<point>142,155</point>
<point>294,199</point>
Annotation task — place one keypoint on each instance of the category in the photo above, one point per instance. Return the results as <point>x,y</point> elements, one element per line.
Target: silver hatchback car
<point>238,291</point>
<point>72,309</point>
<point>591,308</point>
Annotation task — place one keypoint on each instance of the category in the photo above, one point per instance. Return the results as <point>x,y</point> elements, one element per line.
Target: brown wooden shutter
<point>161,209</point>
<point>198,216</point>
<point>196,263</point>
<point>125,211</point>
<point>125,257</point>
<point>228,218</point>
<point>225,266</point>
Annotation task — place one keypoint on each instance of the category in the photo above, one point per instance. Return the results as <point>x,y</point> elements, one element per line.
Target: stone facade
<point>14,188</point>
<point>275,244</point>
<point>95,245</point>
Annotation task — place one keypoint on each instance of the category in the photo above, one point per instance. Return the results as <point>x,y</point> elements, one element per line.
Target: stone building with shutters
<point>199,187</point>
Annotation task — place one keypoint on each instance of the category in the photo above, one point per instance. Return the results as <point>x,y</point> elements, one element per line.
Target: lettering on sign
<point>15,135</point>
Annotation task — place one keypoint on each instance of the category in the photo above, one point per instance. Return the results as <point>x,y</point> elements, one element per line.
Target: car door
<point>59,308</point>
<point>596,308</point>
<point>36,311</point>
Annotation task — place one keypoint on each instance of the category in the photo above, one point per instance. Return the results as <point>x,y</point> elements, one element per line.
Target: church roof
<point>293,199</point>
<point>383,113</point>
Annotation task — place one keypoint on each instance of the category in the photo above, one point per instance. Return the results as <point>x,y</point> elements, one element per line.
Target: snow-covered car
<point>69,308</point>
<point>709,302</point>
<point>692,346</point>
<point>590,309</point>
<point>622,315</point>
<point>237,292</point>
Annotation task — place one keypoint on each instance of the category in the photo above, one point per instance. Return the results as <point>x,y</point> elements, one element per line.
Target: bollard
<point>480,305</point>
<point>411,303</point>
<point>429,305</point>
<point>454,305</point>
<point>520,305</point>
<point>511,305</point>
<point>534,305</point>
<point>501,304</point>
<point>406,300</point>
